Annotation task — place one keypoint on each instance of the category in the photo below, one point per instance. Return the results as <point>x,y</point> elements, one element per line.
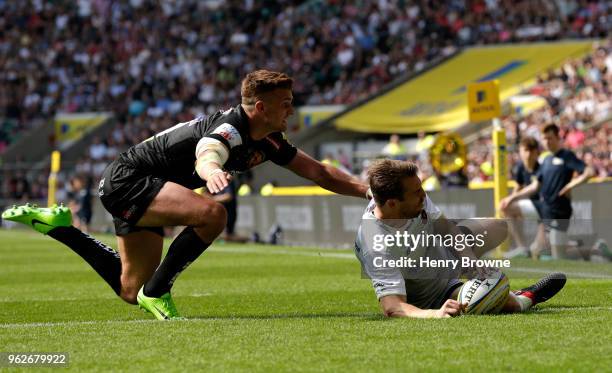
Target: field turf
<point>276,308</point>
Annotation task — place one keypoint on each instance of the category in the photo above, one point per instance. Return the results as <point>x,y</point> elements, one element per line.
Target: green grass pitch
<point>264,308</point>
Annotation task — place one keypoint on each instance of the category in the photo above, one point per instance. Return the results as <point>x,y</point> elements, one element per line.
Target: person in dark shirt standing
<point>524,173</point>
<point>80,201</point>
<point>555,180</point>
<point>150,187</point>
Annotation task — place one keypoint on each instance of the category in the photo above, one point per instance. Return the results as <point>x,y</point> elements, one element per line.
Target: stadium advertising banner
<point>483,100</point>
<point>436,100</point>
<point>312,115</point>
<point>71,127</point>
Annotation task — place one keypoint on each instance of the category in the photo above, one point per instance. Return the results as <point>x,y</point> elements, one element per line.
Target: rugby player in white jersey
<point>400,204</point>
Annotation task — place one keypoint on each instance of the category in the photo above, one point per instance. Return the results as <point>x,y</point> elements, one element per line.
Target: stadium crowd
<point>155,63</point>
<point>577,99</point>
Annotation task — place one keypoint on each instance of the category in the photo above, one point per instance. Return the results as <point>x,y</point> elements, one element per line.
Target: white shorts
<point>528,209</point>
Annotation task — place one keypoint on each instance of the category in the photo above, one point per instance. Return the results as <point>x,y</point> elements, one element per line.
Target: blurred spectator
<point>79,201</point>
<point>97,150</point>
<point>395,149</point>
<point>344,160</point>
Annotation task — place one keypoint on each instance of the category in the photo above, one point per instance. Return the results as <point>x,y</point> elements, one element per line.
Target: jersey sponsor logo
<point>101,188</point>
<point>256,158</point>
<point>379,284</point>
<point>557,161</point>
<point>229,133</point>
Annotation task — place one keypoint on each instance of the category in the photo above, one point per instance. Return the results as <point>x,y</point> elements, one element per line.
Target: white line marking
<point>570,274</point>
<point>72,323</point>
<point>71,299</point>
<point>561,309</point>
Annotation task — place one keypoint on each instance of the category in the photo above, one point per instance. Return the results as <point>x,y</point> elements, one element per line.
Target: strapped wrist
<point>214,172</point>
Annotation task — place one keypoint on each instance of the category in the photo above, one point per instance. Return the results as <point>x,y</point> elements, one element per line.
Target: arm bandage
<point>210,150</point>
<point>209,147</point>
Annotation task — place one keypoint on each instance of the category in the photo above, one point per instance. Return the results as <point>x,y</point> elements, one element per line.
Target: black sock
<point>185,248</point>
<point>100,257</point>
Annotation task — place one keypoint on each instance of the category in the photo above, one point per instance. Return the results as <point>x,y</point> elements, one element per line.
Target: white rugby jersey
<point>423,287</point>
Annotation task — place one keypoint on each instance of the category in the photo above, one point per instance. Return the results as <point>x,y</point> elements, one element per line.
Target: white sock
<point>524,302</point>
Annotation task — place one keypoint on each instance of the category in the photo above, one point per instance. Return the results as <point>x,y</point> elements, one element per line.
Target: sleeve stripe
<point>274,143</point>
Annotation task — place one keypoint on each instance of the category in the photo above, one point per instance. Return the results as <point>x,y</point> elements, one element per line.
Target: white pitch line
<point>72,323</point>
<point>561,309</point>
<point>70,299</point>
<point>571,274</point>
<point>253,250</point>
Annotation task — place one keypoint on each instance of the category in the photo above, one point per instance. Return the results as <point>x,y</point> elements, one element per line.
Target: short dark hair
<point>551,128</point>
<point>386,177</point>
<point>529,143</point>
<point>259,82</point>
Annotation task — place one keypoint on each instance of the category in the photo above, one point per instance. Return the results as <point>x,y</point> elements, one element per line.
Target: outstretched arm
<point>588,173</point>
<point>523,193</point>
<point>327,176</point>
<point>396,306</point>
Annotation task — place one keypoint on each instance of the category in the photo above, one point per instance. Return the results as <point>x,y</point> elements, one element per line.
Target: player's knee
<point>129,289</point>
<point>510,210</point>
<point>217,217</point>
<point>210,217</point>
<point>506,210</point>
<point>129,295</point>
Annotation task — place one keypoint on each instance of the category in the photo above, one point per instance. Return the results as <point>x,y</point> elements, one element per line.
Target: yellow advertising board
<point>483,101</point>
<point>312,115</point>
<point>436,99</point>
<point>71,127</point>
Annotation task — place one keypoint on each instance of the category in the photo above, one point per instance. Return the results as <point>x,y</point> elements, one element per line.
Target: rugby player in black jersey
<point>150,187</point>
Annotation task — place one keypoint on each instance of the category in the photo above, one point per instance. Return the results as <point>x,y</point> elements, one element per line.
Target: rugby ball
<point>484,295</point>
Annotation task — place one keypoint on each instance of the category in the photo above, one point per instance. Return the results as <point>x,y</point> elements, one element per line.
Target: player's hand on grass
<point>217,180</point>
<point>450,308</point>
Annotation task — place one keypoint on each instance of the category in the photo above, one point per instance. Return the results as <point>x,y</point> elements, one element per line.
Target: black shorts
<point>126,193</point>
<point>554,217</point>
<point>452,285</point>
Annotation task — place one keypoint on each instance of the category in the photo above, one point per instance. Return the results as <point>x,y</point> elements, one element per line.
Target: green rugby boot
<point>42,219</point>
<point>162,308</point>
